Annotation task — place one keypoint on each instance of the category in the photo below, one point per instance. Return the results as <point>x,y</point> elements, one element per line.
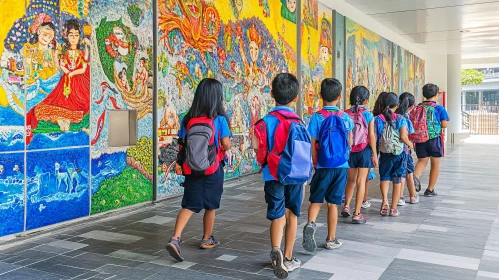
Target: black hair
<point>379,105</point>
<point>430,90</point>
<point>207,101</point>
<point>391,101</point>
<point>406,100</point>
<point>49,25</point>
<point>143,59</point>
<point>331,89</point>
<point>68,25</point>
<point>34,38</point>
<point>285,88</point>
<point>358,95</point>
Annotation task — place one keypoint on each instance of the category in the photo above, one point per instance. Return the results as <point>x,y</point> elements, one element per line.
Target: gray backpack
<point>390,140</point>
<point>201,157</point>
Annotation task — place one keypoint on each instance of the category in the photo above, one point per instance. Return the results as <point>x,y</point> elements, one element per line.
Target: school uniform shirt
<point>410,129</point>
<point>222,130</point>
<point>272,122</point>
<point>316,122</point>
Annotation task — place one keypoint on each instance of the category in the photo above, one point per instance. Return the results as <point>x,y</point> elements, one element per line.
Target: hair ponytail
<point>391,101</point>
<point>358,96</point>
<point>406,101</point>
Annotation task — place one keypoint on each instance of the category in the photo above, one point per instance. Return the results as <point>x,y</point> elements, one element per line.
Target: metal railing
<point>480,119</point>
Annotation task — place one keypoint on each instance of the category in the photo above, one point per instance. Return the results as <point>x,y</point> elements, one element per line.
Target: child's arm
<point>350,139</point>
<point>226,143</point>
<point>444,124</point>
<point>372,143</point>
<point>404,136</point>
<point>314,150</point>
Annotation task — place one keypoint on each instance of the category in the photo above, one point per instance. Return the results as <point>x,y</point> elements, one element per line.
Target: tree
<point>471,77</point>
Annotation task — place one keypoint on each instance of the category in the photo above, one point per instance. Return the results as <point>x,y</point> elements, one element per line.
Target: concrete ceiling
<point>468,27</point>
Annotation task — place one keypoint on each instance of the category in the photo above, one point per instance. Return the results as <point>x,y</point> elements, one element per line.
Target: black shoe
<point>429,193</point>
<point>417,183</point>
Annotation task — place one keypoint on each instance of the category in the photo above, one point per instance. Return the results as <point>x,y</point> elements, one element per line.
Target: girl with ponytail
<point>392,133</point>
<point>407,102</point>
<point>363,156</point>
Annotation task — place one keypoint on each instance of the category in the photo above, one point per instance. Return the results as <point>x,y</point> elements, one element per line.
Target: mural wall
<point>409,72</point>
<point>243,44</point>
<point>420,78</point>
<point>369,59</point>
<point>396,72</point>
<point>316,53</point>
<point>64,65</point>
<point>339,49</point>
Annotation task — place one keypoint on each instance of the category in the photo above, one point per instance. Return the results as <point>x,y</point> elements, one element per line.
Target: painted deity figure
<point>170,118</point>
<point>254,76</point>
<point>41,61</point>
<point>69,102</point>
<point>288,10</point>
<point>117,46</point>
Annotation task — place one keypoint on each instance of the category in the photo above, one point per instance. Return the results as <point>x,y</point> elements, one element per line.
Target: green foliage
<point>128,188</point>
<point>107,62</point>
<point>161,98</point>
<point>471,77</point>
<point>48,127</point>
<point>142,153</point>
<point>135,14</point>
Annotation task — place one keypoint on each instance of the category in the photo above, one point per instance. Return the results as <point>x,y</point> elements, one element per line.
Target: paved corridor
<point>452,236</point>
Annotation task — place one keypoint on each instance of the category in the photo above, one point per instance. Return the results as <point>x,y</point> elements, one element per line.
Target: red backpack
<point>199,154</point>
<point>423,120</point>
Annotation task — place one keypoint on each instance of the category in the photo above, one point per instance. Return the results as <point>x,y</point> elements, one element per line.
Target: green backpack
<point>434,127</point>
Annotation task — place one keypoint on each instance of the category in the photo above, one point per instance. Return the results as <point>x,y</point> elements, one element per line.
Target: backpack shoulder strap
<point>325,113</point>
<point>282,130</point>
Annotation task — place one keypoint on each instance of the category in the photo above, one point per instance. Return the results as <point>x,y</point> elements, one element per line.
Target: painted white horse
<point>62,177</point>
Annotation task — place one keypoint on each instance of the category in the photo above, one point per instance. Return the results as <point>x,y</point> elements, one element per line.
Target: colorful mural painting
<point>11,193</point>
<point>121,79</point>
<point>316,54</point>
<point>396,69</point>
<point>409,72</point>
<point>242,48</point>
<point>58,186</point>
<point>369,60</point>
<point>339,50</point>
<point>420,78</point>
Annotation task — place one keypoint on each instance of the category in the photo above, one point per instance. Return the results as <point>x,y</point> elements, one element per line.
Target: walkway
<point>452,236</point>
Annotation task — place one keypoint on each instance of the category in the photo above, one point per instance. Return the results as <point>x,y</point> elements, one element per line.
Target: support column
<point>454,92</point>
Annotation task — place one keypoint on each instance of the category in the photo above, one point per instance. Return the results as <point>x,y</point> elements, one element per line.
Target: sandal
<point>384,208</point>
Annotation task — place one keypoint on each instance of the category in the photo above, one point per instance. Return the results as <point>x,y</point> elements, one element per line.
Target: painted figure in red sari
<point>69,102</point>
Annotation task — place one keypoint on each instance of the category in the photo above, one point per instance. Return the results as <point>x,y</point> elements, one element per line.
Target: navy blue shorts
<point>362,159</point>
<point>410,163</point>
<point>392,168</point>
<point>329,184</point>
<point>203,192</point>
<point>280,197</point>
<point>430,148</point>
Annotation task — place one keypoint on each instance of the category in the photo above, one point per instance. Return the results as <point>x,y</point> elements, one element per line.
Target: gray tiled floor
<point>452,236</point>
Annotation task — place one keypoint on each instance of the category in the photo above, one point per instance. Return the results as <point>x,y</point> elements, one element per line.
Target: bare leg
<point>208,223</point>
<point>435,169</point>
<point>384,185</point>
<point>410,185</point>
<point>402,187</point>
<point>361,185</point>
<point>332,221</point>
<point>420,166</point>
<point>182,219</point>
<point>276,230</point>
<point>395,198</point>
<point>313,211</point>
<point>352,178</point>
<point>291,227</point>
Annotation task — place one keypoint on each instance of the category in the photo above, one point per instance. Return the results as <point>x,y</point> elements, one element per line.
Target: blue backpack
<point>333,148</point>
<point>290,161</point>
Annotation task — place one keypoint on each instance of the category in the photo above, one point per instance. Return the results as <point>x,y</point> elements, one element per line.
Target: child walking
<point>331,132</point>
<point>428,135</point>
<point>407,101</point>
<point>392,133</point>
<point>376,110</point>
<point>283,194</point>
<point>203,138</point>
<point>363,156</point>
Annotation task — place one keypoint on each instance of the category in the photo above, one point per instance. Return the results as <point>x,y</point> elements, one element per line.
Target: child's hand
<point>375,160</point>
